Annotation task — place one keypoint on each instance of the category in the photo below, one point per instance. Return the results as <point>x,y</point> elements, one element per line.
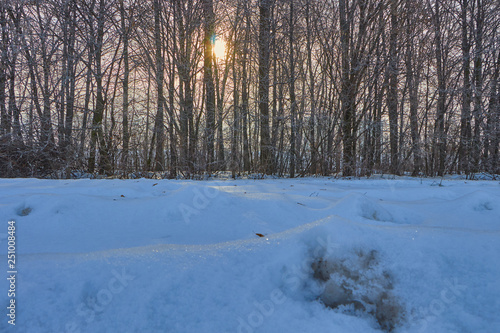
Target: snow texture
<point>372,255</point>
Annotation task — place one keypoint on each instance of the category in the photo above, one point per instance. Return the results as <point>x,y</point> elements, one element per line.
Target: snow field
<point>183,256</point>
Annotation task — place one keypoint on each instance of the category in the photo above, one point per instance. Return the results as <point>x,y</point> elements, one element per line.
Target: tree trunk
<point>5,119</point>
<point>413,84</point>
<point>478,84</point>
<point>493,126</point>
<point>14,110</point>
<point>263,92</point>
<point>465,121</point>
<point>97,135</point>
<point>208,79</point>
<point>439,134</point>
<point>346,96</point>
<point>392,92</point>
<point>160,101</point>
<point>312,98</point>
<point>293,103</point>
<point>125,86</point>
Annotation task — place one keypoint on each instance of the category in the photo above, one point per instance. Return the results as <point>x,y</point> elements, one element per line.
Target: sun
<point>219,48</point>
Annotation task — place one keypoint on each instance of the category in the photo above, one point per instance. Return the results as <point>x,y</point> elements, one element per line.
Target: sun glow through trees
<point>219,48</point>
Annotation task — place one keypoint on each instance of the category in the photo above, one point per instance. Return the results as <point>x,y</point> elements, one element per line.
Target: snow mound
<point>481,201</point>
<point>360,205</point>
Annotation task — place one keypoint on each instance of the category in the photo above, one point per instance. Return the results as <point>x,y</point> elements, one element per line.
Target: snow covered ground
<point>184,256</point>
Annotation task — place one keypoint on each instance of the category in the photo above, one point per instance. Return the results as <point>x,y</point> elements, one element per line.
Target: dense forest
<point>285,87</point>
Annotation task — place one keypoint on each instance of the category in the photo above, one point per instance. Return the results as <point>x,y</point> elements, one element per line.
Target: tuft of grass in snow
<point>24,211</point>
<point>358,285</point>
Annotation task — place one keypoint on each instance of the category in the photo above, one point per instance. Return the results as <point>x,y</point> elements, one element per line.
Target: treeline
<point>305,87</point>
